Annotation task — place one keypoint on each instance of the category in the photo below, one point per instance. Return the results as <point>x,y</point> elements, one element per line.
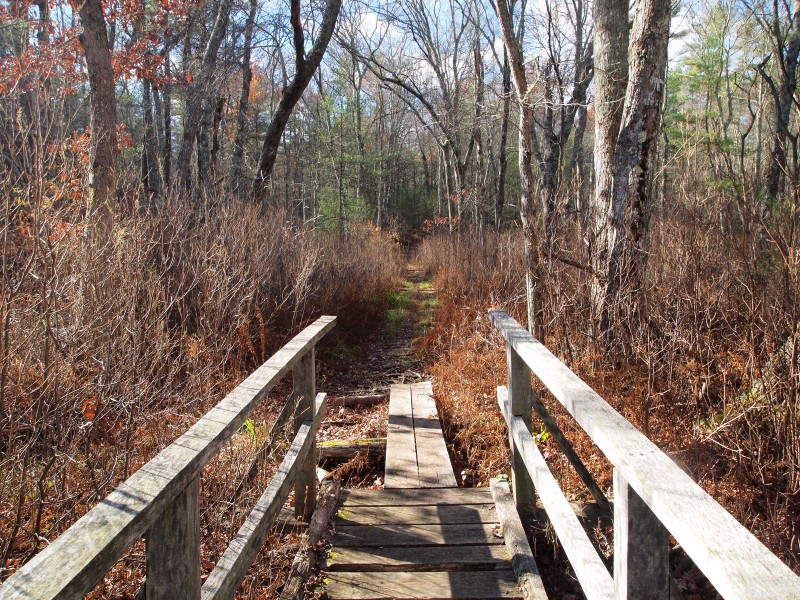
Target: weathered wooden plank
<point>433,461</point>
<point>736,563</point>
<point>423,558</point>
<point>417,535</point>
<point>304,391</point>
<point>401,454</point>
<point>232,567</point>
<point>78,559</point>
<point>431,585</point>
<point>641,547</point>
<point>416,515</point>
<point>173,549</point>
<point>366,400</point>
<point>595,580</point>
<point>522,560</point>
<point>417,497</point>
<point>520,393</point>
<point>339,450</point>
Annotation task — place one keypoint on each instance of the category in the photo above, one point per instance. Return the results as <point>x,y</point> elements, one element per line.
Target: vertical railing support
<point>520,393</point>
<point>305,487</point>
<point>641,547</point>
<point>173,549</point>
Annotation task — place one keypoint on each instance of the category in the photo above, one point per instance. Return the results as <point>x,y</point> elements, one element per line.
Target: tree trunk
<point>500,198</point>
<point>244,103</point>
<point>305,67</point>
<point>611,35</point>
<point>533,275</point>
<point>103,100</point>
<point>635,157</point>
<point>151,176</point>
<point>199,90</point>
<point>166,151</point>
<point>783,96</point>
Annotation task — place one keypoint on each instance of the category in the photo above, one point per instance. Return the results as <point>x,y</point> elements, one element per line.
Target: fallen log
<point>359,400</point>
<point>347,449</point>
<point>306,558</point>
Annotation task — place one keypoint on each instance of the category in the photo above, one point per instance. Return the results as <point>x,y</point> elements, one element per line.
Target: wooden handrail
<point>73,564</point>
<point>735,562</point>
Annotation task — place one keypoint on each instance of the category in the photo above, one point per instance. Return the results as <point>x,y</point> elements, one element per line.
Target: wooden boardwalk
<point>422,536</point>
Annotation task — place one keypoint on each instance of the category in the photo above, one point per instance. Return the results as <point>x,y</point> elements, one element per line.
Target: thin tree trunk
<point>500,198</point>
<point>533,267</point>
<point>198,93</point>
<point>244,103</point>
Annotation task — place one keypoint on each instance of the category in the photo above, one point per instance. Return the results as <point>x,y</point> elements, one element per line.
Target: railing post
<point>641,547</point>
<point>305,486</point>
<point>520,393</point>
<point>173,549</point>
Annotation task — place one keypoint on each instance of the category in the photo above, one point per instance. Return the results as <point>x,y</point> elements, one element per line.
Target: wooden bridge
<point>422,536</point>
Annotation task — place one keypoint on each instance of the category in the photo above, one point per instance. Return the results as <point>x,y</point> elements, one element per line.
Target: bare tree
<point>304,70</point>
<point>635,155</point>
<point>533,263</point>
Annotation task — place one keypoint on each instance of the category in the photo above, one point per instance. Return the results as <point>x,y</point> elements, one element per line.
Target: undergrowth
<point>692,389</point>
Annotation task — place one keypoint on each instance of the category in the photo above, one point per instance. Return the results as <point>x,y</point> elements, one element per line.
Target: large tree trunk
<point>610,75</point>
<point>291,94</point>
<point>635,157</point>
<point>94,40</point>
<point>533,266</point>
<point>244,102</point>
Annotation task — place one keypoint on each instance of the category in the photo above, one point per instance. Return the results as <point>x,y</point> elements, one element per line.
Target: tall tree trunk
<point>305,67</point>
<point>500,198</point>
<point>244,103</point>
<point>534,280</point>
<point>151,176</point>
<point>611,34</point>
<point>783,97</point>
<point>635,157</point>
<point>103,99</point>
<point>166,151</point>
<point>198,92</point>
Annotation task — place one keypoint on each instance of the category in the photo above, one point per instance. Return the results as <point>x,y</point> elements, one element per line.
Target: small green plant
<point>541,437</point>
<point>394,316</point>
<point>398,299</point>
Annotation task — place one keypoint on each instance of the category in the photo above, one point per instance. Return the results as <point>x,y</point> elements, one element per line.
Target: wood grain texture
<point>595,580</point>
<point>72,565</point>
<point>520,394</point>
<point>433,461</point>
<point>641,547</point>
<point>401,454</point>
<point>522,560</point>
<point>230,570</point>
<point>395,534</point>
<point>416,515</point>
<point>173,549</point>
<point>417,497</point>
<point>430,558</point>
<point>431,585</point>
<point>304,392</point>
<point>737,564</point>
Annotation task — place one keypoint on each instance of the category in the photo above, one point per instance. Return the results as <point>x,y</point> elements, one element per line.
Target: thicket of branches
<point>669,267</point>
